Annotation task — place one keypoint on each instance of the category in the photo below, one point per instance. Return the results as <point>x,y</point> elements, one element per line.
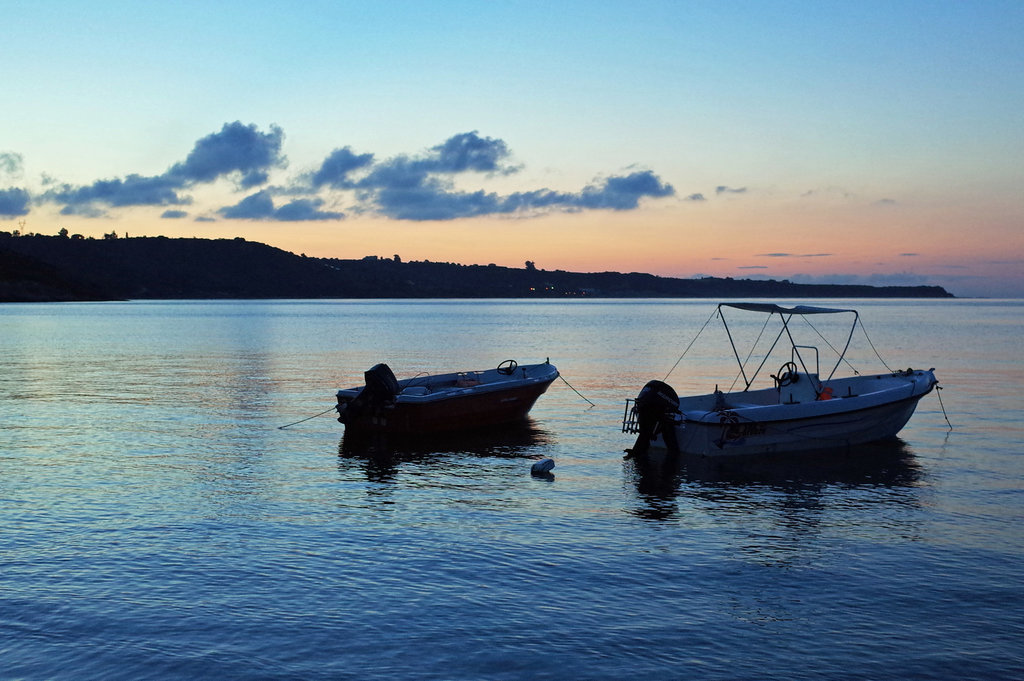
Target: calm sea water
<point>156,523</point>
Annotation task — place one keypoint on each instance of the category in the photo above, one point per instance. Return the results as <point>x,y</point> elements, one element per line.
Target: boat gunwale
<point>451,392</point>
<point>743,412</point>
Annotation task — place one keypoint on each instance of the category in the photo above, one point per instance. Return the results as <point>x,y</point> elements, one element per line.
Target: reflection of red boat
<point>443,402</point>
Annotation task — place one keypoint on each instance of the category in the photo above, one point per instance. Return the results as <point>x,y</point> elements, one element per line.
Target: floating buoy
<point>542,467</point>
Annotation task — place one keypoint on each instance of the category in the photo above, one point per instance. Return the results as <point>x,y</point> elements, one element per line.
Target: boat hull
<point>813,433</point>
<point>454,409</point>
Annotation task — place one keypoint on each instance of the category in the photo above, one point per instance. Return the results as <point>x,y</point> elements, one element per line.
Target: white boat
<point>801,411</point>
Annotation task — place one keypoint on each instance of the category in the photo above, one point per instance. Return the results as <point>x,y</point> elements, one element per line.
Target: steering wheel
<point>508,367</point>
<point>787,375</point>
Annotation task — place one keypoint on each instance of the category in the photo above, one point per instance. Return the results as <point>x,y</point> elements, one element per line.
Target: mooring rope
<point>691,344</point>
<point>576,391</point>
<point>938,393</point>
<point>741,418</point>
<point>308,418</point>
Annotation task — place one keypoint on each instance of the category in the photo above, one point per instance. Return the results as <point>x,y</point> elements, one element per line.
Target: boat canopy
<point>784,314</point>
<point>771,308</point>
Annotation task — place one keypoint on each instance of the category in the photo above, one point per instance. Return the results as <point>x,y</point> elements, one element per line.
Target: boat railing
<point>796,356</point>
<point>630,419</point>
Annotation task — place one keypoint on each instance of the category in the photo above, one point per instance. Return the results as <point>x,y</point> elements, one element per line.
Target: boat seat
<point>803,389</point>
<point>416,390</point>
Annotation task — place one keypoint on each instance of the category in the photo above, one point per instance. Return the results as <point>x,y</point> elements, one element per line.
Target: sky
<point>819,142</point>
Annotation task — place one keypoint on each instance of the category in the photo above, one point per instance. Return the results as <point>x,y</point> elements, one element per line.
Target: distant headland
<point>37,268</point>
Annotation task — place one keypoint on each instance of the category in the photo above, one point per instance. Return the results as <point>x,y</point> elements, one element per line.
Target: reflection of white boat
<point>443,402</point>
<point>801,412</point>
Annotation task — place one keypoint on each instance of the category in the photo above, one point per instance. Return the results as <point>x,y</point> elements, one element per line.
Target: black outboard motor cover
<point>381,381</point>
<point>658,396</point>
<point>380,391</point>
<point>657,407</point>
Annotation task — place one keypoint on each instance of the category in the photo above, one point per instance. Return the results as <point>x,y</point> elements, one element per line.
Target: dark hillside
<point>61,268</point>
<point>157,267</point>
<point>25,279</point>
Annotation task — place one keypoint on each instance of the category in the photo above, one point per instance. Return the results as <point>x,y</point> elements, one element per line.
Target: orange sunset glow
<point>844,144</point>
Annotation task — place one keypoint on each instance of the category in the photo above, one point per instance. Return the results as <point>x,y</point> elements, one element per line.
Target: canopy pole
<point>767,354</point>
<point>792,341</point>
<point>842,355</point>
<point>735,352</point>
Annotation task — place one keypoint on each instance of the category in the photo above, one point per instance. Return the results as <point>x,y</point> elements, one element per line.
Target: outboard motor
<point>381,382</point>
<point>380,391</point>
<point>656,409</point>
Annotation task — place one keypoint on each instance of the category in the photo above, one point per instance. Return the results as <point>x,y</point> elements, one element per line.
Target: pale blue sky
<point>916,105</point>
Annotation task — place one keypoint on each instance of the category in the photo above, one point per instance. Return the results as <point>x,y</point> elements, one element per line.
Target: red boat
<point>443,402</point>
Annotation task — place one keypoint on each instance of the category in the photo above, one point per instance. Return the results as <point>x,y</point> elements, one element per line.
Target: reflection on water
<point>802,478</point>
<point>790,511</point>
<point>381,454</point>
